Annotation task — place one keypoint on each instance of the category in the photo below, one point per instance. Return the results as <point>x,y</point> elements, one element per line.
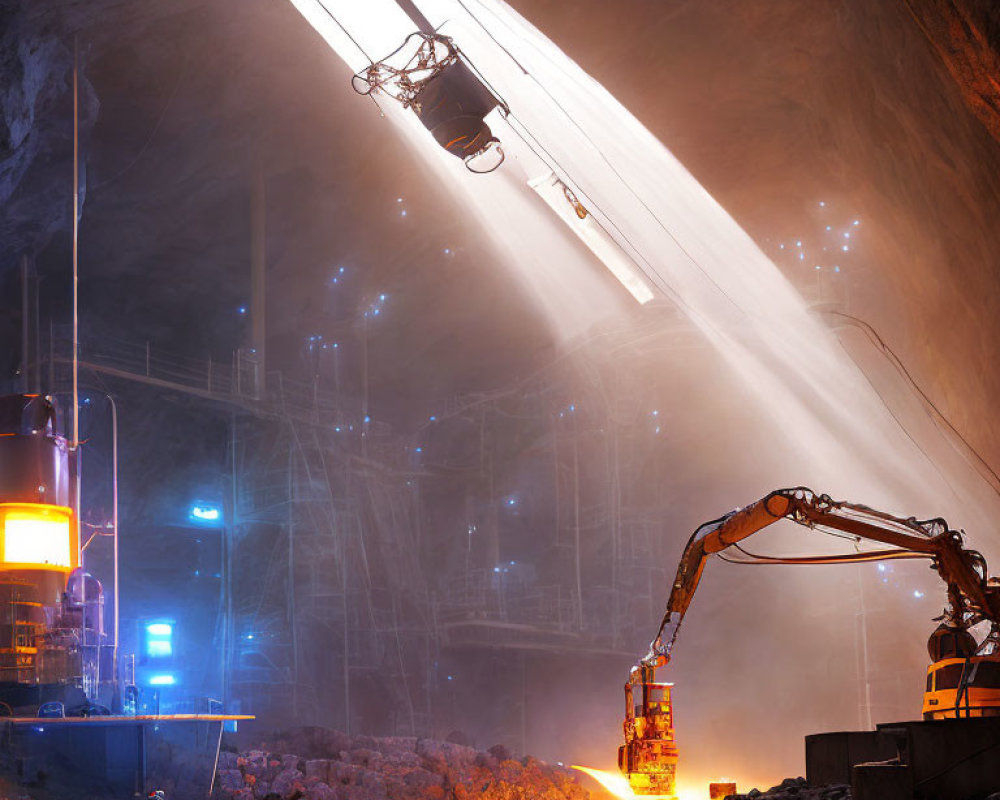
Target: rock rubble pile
<point>318,764</point>
<point>797,789</point>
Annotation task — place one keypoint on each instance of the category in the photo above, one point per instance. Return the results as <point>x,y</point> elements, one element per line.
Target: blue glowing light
<point>367,419</point>
<point>798,244</point>
<point>342,270</point>
<point>836,269</point>
<point>572,407</point>
<point>432,418</point>
<point>158,639</point>
<point>243,309</point>
<point>802,256</point>
<point>829,227</point>
<point>512,501</point>
<point>856,222</point>
<point>162,680</point>
<point>420,449</point>
<point>160,629</point>
<point>917,594</point>
<point>337,429</point>
<point>158,648</point>
<point>402,213</point>
<point>451,677</point>
<point>205,513</point>
<point>381,297</point>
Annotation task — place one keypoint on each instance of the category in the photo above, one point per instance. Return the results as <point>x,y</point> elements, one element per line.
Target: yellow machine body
<point>649,756</point>
<point>963,687</point>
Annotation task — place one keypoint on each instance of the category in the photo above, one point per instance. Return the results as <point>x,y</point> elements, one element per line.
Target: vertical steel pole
<point>25,327</point>
<point>114,517</point>
<point>76,296</point>
<point>76,244</point>
<point>258,278</point>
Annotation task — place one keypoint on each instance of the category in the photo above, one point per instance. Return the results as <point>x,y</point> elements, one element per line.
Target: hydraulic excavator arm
<point>649,755</point>
<point>971,597</point>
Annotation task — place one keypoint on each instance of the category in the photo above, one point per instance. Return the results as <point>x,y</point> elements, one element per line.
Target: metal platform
<point>114,756</point>
<point>951,759</point>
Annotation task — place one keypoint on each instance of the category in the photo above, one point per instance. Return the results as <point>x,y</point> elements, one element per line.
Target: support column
<point>258,279</point>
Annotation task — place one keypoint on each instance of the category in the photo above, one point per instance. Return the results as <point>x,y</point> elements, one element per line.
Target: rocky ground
<point>317,764</point>
<point>797,789</point>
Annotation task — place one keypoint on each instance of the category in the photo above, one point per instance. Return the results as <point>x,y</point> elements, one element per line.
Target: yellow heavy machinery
<point>963,679</point>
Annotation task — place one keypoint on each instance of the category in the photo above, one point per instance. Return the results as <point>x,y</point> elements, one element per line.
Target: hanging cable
<point>935,413</point>
<point>603,157</point>
<point>346,32</point>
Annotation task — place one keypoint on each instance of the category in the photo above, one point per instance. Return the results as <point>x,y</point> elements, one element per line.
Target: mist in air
<point>810,202</point>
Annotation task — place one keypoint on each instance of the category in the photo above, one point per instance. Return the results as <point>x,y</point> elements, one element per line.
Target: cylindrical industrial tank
<point>85,592</point>
<point>39,538</point>
<point>35,466</point>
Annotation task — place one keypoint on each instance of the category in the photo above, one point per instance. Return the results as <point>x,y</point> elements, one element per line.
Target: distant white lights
<point>917,594</point>
<point>845,248</point>
<point>375,309</point>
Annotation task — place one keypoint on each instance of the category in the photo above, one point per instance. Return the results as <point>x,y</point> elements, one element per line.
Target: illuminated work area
<point>382,380</point>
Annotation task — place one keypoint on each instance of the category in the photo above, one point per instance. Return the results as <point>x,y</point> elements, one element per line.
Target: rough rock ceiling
<point>772,107</point>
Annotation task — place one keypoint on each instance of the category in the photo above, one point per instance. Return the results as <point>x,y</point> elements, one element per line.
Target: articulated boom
<point>972,596</point>
<point>963,680</point>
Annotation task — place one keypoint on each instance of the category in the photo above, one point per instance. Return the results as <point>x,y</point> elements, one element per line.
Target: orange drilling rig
<point>963,679</point>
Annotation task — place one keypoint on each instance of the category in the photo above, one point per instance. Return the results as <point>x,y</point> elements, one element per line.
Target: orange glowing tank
<point>649,756</point>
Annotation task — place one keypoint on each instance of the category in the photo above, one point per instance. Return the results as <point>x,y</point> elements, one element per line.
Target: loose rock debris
<point>797,789</point>
<point>330,765</point>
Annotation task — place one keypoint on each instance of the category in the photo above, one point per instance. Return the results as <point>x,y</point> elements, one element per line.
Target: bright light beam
<point>556,195</point>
